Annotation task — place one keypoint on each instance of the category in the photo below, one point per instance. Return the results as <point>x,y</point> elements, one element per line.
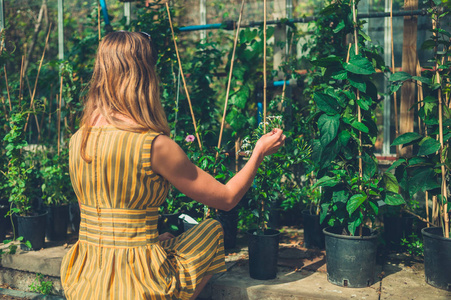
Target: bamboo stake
<point>59,114</point>
<point>230,77</point>
<point>393,71</point>
<point>21,79</point>
<point>359,112</point>
<point>264,95</point>
<point>37,76</point>
<point>264,67</point>
<point>98,20</point>
<point>7,88</point>
<point>183,77</point>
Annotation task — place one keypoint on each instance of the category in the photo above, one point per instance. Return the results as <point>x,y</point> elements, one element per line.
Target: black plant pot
<point>229,222</point>
<point>5,223</point>
<point>351,260</point>
<point>437,258</point>
<point>32,228</point>
<point>57,221</point>
<point>170,223</point>
<point>313,231</point>
<point>397,228</point>
<point>263,254</point>
<point>74,217</point>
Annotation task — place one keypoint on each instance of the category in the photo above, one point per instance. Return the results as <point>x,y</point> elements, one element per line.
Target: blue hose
<point>105,12</point>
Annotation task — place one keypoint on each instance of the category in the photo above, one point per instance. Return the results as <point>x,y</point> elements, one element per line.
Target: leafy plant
<point>413,245</point>
<point>427,170</point>
<point>273,179</point>
<point>40,285</point>
<point>346,99</point>
<point>56,186</point>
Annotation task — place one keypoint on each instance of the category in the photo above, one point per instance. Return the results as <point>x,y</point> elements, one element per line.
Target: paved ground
<point>301,275</point>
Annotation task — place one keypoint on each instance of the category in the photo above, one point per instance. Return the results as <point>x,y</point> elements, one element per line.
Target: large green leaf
<point>357,81</point>
<point>326,181</point>
<point>390,182</point>
<point>340,196</point>
<point>396,164</point>
<point>239,99</point>
<point>360,126</point>
<point>429,146</point>
<point>365,103</point>
<point>328,127</point>
<point>393,199</point>
<point>406,138</point>
<point>400,76</point>
<point>370,166</point>
<point>359,65</point>
<point>355,202</point>
<point>424,179</point>
<point>326,103</point>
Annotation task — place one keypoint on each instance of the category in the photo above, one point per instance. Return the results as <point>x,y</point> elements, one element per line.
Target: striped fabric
<point>118,255</point>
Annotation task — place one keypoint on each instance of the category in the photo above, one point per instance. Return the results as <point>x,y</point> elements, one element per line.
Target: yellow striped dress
<point>118,255</point>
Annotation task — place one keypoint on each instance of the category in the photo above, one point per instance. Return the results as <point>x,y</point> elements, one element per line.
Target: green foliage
<point>56,187</point>
<point>40,285</point>
<point>413,245</point>
<point>274,179</point>
<point>349,198</point>
<point>422,172</point>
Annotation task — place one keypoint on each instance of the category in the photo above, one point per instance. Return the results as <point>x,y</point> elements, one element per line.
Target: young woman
<point>121,163</point>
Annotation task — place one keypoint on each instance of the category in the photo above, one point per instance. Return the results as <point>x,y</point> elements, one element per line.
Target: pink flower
<point>190,138</point>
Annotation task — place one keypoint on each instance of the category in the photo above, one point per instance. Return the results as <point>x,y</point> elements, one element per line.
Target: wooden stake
<point>183,77</point>
<point>230,78</point>
<point>359,112</point>
<point>98,20</point>
<point>37,76</point>
<point>395,103</point>
<point>59,114</point>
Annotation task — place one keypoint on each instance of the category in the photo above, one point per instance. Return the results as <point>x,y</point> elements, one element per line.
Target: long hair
<point>124,82</point>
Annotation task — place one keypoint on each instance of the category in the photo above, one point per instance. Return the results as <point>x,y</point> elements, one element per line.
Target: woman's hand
<point>165,236</point>
<point>270,143</point>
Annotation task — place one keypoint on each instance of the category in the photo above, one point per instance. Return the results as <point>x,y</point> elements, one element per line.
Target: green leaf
<point>365,103</point>
<point>326,181</point>
<point>355,202</point>
<point>424,80</point>
<point>429,146</point>
<point>390,182</point>
<point>375,208</point>
<point>340,196</point>
<point>324,211</point>
<point>327,61</point>
<point>239,99</point>
<point>326,103</point>
<point>28,244</point>
<point>358,82</point>
<point>424,179</point>
<point>400,76</point>
<point>328,127</point>
<point>343,138</point>
<point>339,27</point>
<point>428,44</point>
<point>396,164</point>
<point>359,65</point>
<point>394,199</point>
<point>340,75</point>
<point>406,138</point>
<point>360,126</point>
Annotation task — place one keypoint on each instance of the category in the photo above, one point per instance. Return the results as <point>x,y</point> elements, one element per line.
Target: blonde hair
<point>124,82</point>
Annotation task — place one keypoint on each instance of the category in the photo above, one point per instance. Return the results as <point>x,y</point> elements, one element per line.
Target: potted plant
<point>263,242</point>
<point>426,170</point>
<point>347,170</point>
<point>22,177</point>
<point>57,192</point>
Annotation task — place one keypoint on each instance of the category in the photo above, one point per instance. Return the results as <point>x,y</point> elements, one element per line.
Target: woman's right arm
<point>169,161</point>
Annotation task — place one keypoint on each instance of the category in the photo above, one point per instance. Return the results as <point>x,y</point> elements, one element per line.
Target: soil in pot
<point>437,258</point>
<point>263,254</point>
<point>351,260</point>
<point>397,228</point>
<point>313,231</point>
<point>57,221</point>
<point>32,228</point>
